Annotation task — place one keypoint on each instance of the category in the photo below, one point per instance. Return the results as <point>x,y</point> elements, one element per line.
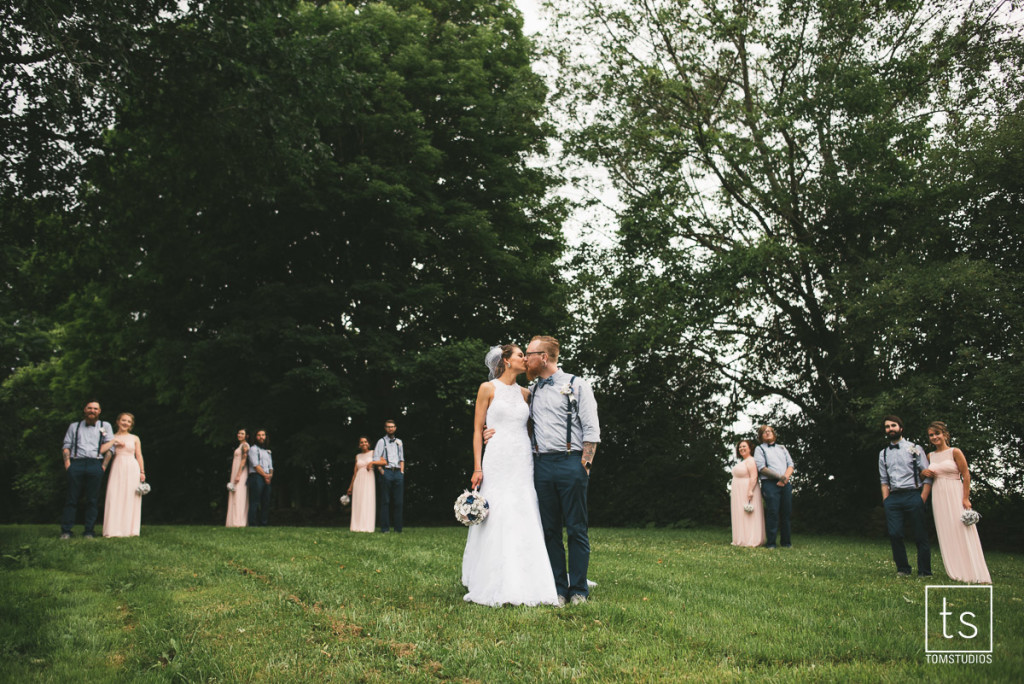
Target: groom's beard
<point>531,374</point>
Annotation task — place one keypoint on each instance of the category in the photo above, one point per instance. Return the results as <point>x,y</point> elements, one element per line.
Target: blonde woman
<point>122,512</point>
<point>951,496</point>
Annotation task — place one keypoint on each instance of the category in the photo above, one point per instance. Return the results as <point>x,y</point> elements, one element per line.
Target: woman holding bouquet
<point>122,512</point>
<point>238,494</point>
<point>746,507</point>
<point>505,560</point>
<point>363,490</point>
<point>951,497</point>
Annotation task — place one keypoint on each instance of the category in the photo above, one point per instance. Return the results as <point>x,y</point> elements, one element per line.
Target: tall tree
<point>313,215</point>
<point>812,176</point>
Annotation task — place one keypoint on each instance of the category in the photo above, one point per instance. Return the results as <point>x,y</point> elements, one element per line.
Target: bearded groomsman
<point>261,472</point>
<point>85,444</point>
<point>904,493</point>
<point>390,449</point>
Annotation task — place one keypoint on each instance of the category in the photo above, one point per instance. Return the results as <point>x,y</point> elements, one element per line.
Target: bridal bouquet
<point>970,517</point>
<point>345,499</point>
<point>749,508</point>
<point>471,508</point>
<point>231,486</point>
<point>143,489</point>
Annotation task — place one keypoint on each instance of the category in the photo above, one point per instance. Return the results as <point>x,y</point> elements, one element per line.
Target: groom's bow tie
<point>545,381</point>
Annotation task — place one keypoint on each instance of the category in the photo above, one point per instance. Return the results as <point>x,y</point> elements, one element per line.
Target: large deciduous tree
<point>830,191</point>
<point>309,218</point>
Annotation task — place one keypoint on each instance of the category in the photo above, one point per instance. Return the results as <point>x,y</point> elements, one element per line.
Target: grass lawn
<point>206,604</point>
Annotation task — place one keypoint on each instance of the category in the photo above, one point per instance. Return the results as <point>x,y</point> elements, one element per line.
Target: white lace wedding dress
<point>505,559</point>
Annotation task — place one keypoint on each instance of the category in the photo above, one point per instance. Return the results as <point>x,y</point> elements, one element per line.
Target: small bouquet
<point>471,508</point>
<point>970,517</point>
<point>748,507</point>
<point>231,486</point>
<point>143,489</point>
<point>345,499</point>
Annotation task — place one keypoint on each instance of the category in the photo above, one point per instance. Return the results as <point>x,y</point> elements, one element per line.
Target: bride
<point>505,559</point>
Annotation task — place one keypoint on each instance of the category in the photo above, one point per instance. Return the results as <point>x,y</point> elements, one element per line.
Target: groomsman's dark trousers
<point>392,497</point>
<point>259,501</point>
<point>778,507</point>
<point>561,482</point>
<point>908,502</point>
<point>85,475</point>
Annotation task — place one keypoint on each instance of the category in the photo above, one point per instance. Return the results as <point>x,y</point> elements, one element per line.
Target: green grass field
<point>205,604</point>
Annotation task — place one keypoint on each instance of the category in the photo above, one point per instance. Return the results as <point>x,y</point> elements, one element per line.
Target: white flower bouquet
<point>345,499</point>
<point>749,507</point>
<point>970,517</point>
<point>231,486</point>
<point>143,489</point>
<point>471,508</point>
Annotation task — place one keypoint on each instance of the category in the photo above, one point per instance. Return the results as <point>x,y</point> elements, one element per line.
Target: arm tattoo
<point>589,449</point>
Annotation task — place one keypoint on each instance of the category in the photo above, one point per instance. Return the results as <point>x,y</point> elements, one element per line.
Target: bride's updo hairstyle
<point>495,359</point>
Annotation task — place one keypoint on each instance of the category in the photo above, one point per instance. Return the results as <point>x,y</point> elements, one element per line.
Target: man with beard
<point>261,471</point>
<point>391,451</point>
<point>904,493</point>
<point>85,444</point>
<point>565,438</point>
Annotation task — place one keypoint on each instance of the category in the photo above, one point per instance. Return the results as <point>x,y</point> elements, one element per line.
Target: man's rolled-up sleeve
<point>69,437</point>
<point>883,474</point>
<point>588,414</point>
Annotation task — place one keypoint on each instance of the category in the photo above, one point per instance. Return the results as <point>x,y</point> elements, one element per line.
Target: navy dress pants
<point>778,507</point>
<point>561,482</point>
<point>85,475</point>
<point>259,501</point>
<point>898,506</point>
<point>392,496</point>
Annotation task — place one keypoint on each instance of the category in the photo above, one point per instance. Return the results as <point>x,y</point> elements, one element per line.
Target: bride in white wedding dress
<point>505,560</point>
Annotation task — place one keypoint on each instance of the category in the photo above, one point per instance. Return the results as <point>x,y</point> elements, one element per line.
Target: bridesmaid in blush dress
<point>122,512</point>
<point>363,490</point>
<point>747,528</point>
<point>960,545</point>
<point>238,500</point>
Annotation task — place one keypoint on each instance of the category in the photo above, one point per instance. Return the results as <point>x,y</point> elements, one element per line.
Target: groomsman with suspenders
<point>85,444</point>
<point>904,493</point>
<point>392,484</point>
<point>775,466</point>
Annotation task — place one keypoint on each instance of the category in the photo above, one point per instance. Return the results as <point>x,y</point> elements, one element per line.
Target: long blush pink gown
<point>122,512</point>
<point>364,496</point>
<point>747,528</point>
<point>238,500</point>
<point>960,545</point>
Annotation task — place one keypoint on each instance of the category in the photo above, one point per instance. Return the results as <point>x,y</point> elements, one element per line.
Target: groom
<point>565,437</point>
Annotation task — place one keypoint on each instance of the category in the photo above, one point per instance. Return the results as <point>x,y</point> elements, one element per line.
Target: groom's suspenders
<point>568,418</point>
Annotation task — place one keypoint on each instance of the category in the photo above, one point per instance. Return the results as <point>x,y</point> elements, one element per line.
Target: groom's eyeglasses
<point>528,353</point>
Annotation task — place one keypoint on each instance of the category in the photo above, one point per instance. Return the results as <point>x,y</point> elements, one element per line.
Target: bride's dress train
<point>505,560</point>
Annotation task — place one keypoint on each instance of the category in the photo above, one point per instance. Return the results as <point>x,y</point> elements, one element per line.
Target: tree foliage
<point>831,189</point>
<point>308,218</point>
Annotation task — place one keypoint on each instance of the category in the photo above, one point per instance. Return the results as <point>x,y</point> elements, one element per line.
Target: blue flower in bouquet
<point>471,508</point>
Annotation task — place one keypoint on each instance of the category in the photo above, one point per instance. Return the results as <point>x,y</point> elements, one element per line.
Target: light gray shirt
<point>258,456</point>
<point>89,438</point>
<point>391,449</point>
<point>774,456</point>
<point>900,466</point>
<point>552,405</point>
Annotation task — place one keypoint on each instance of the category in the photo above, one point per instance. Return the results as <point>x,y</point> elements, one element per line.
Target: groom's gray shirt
<point>549,412</point>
